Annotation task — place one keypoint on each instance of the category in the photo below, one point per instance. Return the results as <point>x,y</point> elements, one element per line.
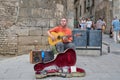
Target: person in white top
<point>89,24</point>
<point>83,24</point>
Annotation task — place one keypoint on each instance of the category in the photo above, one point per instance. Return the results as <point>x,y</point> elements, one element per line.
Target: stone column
<point>116,8</point>
<point>70,13</point>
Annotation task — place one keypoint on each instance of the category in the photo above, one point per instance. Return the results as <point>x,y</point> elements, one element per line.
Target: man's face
<point>63,22</point>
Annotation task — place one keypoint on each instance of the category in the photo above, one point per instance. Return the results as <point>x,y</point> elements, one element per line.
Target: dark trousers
<point>61,47</point>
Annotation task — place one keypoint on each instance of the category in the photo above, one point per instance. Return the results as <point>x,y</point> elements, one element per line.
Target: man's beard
<point>64,25</point>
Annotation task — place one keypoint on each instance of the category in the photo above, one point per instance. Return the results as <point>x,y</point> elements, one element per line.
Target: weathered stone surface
<point>23,22</point>
<point>42,22</point>
<point>35,32</point>
<point>25,49</point>
<point>24,12</point>
<point>52,23</point>
<point>29,40</point>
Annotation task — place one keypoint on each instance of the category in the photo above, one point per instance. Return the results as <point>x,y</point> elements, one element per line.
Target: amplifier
<point>35,57</point>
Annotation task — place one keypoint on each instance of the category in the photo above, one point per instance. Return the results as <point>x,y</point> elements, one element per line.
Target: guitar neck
<point>60,37</point>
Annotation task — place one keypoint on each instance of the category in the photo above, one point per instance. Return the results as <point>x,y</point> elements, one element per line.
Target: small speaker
<point>35,57</point>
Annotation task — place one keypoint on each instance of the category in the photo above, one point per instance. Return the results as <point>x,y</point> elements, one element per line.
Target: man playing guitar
<point>65,41</point>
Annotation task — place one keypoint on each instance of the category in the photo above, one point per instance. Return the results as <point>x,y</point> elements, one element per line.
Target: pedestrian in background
<point>116,28</point>
<point>83,24</point>
<point>88,28</point>
<point>88,24</point>
<point>119,32</point>
<point>100,23</point>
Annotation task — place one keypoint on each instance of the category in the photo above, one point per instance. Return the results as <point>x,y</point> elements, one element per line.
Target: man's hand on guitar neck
<point>64,38</point>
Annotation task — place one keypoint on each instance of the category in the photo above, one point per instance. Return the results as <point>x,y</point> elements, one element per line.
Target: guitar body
<point>51,42</point>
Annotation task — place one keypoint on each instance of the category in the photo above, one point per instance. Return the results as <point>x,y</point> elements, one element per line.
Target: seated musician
<point>63,40</point>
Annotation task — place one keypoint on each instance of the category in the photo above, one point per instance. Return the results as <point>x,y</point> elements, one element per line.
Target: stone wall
<point>8,40</point>
<point>116,8</point>
<point>104,9</point>
<point>24,23</point>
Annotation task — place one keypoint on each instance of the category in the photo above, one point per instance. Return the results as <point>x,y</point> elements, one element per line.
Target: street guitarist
<point>64,39</point>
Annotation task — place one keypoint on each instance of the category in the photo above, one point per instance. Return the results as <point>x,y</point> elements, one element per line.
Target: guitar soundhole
<point>58,37</point>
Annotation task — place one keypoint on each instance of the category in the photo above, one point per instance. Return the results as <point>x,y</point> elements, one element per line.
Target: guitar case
<point>63,65</point>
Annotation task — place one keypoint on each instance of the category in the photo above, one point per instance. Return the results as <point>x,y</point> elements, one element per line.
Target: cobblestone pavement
<point>105,67</point>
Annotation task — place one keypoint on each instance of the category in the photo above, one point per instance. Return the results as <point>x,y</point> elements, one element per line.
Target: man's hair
<point>64,18</point>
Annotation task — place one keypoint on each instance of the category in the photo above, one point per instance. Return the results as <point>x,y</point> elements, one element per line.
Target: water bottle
<point>43,55</point>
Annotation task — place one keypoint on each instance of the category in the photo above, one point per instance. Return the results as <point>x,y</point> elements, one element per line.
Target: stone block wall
<point>8,40</point>
<point>116,8</point>
<point>37,16</point>
<point>24,24</point>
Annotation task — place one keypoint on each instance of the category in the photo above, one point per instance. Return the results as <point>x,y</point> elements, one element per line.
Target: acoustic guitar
<point>59,37</point>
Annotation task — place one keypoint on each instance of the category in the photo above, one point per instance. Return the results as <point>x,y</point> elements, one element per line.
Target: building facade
<point>98,8</point>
